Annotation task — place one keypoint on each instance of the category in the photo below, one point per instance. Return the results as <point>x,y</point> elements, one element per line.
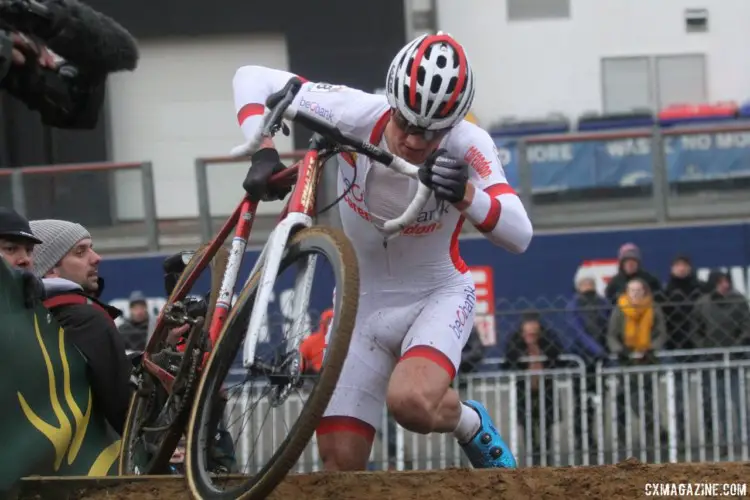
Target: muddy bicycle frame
<point>298,213</point>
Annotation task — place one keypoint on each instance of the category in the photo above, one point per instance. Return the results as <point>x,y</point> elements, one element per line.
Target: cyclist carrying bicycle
<point>417,297</point>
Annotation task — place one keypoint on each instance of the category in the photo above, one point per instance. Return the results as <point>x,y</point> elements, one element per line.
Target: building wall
<point>533,67</point>
<point>179,106</point>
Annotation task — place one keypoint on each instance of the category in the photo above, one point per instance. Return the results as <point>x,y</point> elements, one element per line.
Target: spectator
<point>682,291</point>
<point>134,329</point>
<point>629,257</point>
<point>69,265</point>
<point>637,327</point>
<point>16,239</point>
<point>30,335</point>
<point>587,315</point>
<point>529,344</point>
<point>721,319</point>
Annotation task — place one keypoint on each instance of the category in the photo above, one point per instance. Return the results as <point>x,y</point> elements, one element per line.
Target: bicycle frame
<point>241,221</point>
<point>298,213</point>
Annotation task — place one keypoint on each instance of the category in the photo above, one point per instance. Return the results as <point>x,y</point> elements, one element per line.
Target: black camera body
<point>91,44</point>
<point>6,53</point>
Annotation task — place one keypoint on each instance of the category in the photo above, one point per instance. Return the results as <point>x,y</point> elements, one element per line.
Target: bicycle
<point>295,240</point>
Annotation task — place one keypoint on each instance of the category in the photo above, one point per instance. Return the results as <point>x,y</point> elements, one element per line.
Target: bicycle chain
<point>191,378</point>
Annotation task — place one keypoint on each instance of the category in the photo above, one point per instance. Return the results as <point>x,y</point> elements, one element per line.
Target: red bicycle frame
<point>305,175</point>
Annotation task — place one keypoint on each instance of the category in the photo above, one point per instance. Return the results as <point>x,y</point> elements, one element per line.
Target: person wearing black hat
<point>682,290</point>
<point>17,241</point>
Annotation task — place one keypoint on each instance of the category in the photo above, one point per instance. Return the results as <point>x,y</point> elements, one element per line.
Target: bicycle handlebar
<point>277,107</point>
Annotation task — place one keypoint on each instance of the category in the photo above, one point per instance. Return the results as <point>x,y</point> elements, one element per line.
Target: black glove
<point>446,176</point>
<point>265,163</point>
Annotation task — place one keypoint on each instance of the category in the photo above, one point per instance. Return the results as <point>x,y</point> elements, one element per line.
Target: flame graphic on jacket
<point>60,435</point>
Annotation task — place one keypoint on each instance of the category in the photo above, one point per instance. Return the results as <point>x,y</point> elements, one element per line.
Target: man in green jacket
<point>50,426</point>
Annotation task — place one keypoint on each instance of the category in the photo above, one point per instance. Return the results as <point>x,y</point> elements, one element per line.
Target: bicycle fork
<point>269,262</point>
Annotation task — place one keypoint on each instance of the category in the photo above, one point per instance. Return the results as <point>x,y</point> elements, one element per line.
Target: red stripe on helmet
<point>415,66</point>
<point>462,70</point>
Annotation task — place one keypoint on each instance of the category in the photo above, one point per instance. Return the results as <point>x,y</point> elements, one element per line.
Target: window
<point>528,10</point>
<point>681,79</point>
<point>626,84</point>
<point>652,82</point>
<point>696,20</point>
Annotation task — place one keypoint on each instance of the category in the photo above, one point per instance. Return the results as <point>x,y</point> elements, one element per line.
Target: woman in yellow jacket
<point>636,329</point>
<point>637,324</point>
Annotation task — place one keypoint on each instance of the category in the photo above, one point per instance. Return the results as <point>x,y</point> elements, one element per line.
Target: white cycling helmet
<point>430,82</point>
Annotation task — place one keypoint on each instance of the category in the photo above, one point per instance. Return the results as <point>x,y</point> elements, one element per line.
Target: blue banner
<point>543,277</point>
<point>558,166</point>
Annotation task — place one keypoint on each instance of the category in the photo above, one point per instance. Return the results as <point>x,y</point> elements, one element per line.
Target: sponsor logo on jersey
<point>421,229</point>
<point>354,198</point>
<point>427,222</point>
<point>464,312</point>
<point>316,109</point>
<point>325,87</point>
<point>478,162</point>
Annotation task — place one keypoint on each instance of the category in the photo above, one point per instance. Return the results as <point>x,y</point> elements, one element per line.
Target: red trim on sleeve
<point>493,216</point>
<point>248,110</point>
<point>489,222</point>
<point>498,189</point>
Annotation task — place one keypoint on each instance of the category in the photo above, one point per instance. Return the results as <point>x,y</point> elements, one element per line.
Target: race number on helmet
<point>430,82</point>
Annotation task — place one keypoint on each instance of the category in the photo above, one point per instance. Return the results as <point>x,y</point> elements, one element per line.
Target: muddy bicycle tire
<point>160,462</point>
<point>337,249</point>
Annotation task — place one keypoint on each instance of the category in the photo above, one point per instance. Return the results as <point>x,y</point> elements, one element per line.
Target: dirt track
<point>626,480</point>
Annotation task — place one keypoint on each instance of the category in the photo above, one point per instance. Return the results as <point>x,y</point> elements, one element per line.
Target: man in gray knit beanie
<point>67,252</point>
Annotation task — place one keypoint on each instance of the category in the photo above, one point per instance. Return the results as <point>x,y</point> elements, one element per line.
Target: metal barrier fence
<point>128,206</point>
<point>577,408</point>
<point>93,194</point>
<point>560,416</point>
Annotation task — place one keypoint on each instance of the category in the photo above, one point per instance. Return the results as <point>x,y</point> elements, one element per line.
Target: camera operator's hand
<point>23,46</point>
<point>176,334</point>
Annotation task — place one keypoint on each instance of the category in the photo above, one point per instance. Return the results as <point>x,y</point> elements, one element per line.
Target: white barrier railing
<point>552,417</point>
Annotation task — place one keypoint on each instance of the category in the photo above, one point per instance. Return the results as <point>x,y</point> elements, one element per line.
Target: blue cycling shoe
<point>487,449</point>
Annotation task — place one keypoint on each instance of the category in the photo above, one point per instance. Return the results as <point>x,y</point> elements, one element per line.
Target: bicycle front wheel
<point>262,466</point>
